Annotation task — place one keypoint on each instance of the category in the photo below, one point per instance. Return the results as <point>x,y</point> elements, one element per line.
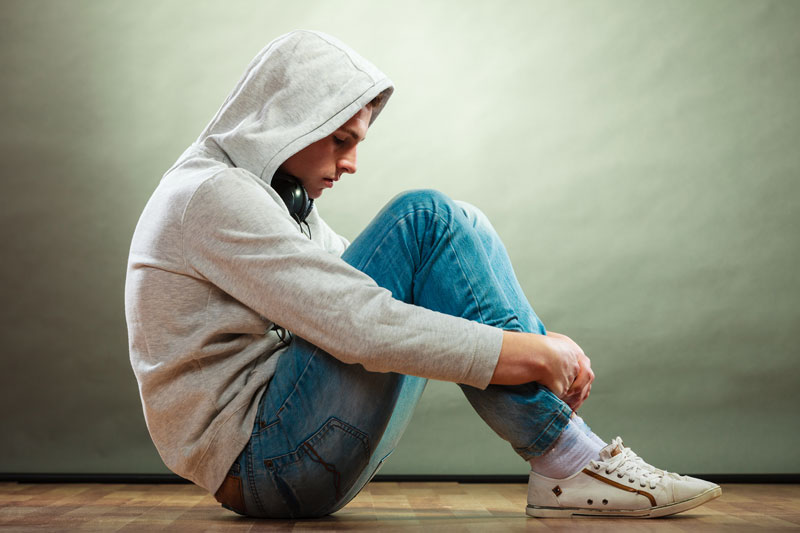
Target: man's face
<point>321,164</point>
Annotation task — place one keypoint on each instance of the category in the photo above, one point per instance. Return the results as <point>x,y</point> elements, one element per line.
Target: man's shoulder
<point>229,196</point>
<point>188,179</point>
<point>179,188</point>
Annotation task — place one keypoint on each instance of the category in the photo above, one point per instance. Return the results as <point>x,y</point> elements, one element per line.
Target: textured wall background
<point>640,159</point>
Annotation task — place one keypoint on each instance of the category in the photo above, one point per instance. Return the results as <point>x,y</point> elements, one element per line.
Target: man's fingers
<point>579,392</point>
<point>574,402</point>
<point>584,378</point>
<point>586,392</point>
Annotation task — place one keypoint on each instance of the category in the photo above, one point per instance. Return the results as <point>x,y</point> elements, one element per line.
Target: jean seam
<point>266,427</point>
<point>251,478</point>
<point>272,475</point>
<point>297,381</point>
<point>382,240</point>
<point>463,274</point>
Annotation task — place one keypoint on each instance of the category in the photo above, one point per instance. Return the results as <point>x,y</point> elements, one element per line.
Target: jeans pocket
<point>314,477</point>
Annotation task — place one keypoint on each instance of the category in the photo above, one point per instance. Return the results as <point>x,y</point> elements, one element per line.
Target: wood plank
<point>381,506</point>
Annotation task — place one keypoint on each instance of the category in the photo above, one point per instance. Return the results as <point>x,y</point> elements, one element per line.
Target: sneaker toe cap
<point>689,487</point>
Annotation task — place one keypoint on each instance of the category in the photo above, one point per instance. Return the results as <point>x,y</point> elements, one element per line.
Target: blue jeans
<point>325,427</point>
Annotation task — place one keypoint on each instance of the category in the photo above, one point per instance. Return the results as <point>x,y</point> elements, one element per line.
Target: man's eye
<point>337,140</point>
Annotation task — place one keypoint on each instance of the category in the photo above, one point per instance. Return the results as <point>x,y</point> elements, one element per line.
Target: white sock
<point>570,453</point>
<point>583,426</point>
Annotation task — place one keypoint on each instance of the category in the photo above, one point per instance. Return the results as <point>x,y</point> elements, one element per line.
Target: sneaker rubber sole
<point>650,512</point>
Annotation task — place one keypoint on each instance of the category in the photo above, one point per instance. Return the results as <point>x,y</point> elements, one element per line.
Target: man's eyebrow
<point>352,133</point>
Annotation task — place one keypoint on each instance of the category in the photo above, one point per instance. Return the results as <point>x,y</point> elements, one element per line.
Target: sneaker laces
<point>627,463</point>
<point>659,471</point>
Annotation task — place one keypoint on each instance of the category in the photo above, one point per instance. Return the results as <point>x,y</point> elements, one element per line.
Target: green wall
<point>640,160</point>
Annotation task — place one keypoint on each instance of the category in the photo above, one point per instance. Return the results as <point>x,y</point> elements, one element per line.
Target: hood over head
<point>299,89</point>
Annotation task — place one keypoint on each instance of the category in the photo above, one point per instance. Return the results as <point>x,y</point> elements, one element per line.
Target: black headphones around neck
<point>293,195</point>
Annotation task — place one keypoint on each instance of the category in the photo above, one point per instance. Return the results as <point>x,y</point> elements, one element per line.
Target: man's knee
<point>475,216</point>
<point>437,207</point>
<point>420,199</point>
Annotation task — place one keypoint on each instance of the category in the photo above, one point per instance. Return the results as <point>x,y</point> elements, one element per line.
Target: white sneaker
<point>619,484</point>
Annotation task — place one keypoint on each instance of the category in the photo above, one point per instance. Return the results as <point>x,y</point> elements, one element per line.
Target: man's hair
<point>376,102</point>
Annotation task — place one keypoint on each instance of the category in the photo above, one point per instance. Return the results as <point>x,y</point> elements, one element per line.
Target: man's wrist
<point>522,358</point>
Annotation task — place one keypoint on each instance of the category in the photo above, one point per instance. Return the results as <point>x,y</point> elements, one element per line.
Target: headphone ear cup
<point>309,206</point>
<point>297,199</point>
<point>293,195</point>
<point>302,204</point>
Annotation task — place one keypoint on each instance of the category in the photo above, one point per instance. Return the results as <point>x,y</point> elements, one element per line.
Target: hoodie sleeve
<point>236,237</point>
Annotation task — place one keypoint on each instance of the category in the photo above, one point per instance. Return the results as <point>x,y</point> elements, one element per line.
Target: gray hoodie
<point>216,262</point>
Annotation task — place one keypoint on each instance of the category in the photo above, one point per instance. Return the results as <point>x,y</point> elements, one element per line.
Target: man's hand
<point>526,357</point>
<point>580,388</point>
<point>553,360</point>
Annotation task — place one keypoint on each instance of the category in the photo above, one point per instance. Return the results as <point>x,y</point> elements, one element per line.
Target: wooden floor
<point>380,507</point>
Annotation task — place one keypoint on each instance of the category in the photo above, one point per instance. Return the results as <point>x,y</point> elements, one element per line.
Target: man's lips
<point>329,181</point>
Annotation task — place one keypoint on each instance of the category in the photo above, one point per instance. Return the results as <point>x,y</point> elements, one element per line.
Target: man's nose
<point>348,163</point>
